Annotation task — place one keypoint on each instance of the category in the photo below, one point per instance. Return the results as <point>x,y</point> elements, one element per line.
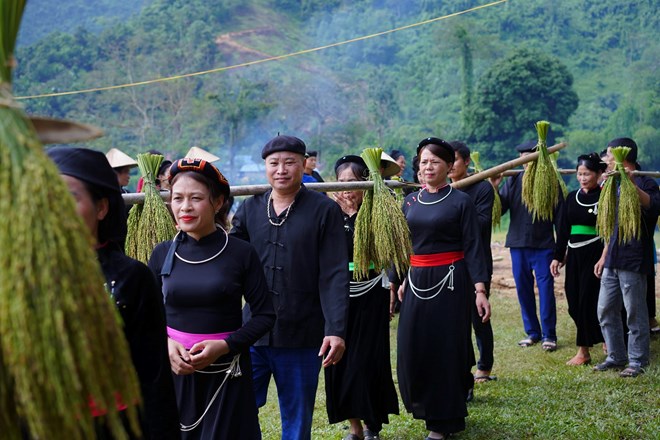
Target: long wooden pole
<point>653,174</point>
<point>504,168</point>
<point>501,168</point>
<point>247,190</point>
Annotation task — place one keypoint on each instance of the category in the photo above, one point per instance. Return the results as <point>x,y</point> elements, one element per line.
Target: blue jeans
<point>296,374</point>
<point>619,288</point>
<point>527,263</point>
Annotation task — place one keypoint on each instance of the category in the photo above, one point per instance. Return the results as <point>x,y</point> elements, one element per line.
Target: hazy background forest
<point>589,67</point>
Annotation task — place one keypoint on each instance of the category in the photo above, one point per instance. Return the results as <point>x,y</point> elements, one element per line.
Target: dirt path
<point>503,277</point>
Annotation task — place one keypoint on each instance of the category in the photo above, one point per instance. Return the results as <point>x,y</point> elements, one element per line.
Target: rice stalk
<point>389,229</point>
<point>540,188</point>
<point>528,181</point>
<point>151,223</point>
<point>398,192</point>
<point>496,212</point>
<point>362,238</point>
<point>629,211</point>
<point>61,343</point>
<point>606,217</point>
<point>564,189</point>
<point>476,164</point>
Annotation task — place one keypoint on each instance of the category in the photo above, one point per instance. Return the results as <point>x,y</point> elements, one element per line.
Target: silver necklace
<point>593,210</point>
<point>419,197</point>
<point>286,216</point>
<point>208,259</point>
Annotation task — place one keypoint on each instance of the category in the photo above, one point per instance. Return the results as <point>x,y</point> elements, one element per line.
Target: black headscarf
<point>93,168</point>
<point>592,161</point>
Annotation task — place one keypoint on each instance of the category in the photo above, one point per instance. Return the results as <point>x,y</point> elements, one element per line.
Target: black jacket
<point>306,267</point>
<point>137,298</point>
<point>523,231</point>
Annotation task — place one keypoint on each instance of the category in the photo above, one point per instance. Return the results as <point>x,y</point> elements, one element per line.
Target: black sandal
<point>631,372</point>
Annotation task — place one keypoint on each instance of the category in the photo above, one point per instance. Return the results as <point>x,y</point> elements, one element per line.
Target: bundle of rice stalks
<point>61,343</point>
<point>151,223</point>
<point>363,239</point>
<point>496,214</point>
<point>629,211</point>
<point>540,189</point>
<point>553,158</point>
<point>398,192</point>
<point>381,229</point>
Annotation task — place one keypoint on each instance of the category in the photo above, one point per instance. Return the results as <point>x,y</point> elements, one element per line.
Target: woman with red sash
<point>435,352</point>
<point>204,276</point>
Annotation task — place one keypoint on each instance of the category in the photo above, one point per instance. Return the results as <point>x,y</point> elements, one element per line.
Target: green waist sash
<point>351,266</point>
<point>583,230</point>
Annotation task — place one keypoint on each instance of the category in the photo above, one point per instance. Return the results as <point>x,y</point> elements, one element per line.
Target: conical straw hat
<point>59,131</point>
<point>389,165</point>
<point>198,153</point>
<point>118,159</point>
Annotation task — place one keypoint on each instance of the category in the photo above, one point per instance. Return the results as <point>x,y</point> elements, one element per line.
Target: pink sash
<point>190,339</point>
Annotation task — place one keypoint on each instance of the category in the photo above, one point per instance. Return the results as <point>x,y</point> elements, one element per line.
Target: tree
<point>238,106</point>
<point>516,92</point>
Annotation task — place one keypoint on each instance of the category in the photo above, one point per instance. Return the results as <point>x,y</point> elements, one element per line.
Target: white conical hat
<point>60,131</point>
<point>389,165</point>
<point>118,159</point>
<point>198,153</point>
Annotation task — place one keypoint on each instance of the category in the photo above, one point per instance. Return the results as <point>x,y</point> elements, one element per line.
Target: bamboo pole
<point>248,190</point>
<point>501,168</point>
<point>653,174</point>
<point>504,168</point>
<point>518,171</point>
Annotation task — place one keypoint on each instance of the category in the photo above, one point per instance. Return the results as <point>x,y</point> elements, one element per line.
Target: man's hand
<point>334,346</point>
<point>598,267</point>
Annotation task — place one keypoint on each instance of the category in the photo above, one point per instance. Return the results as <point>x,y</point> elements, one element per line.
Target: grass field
<point>536,395</point>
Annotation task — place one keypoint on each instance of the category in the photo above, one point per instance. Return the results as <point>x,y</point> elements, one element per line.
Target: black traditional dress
<point>139,302</point>
<point>434,346</point>
<point>361,385</point>
<point>203,296</point>
<point>577,234</point>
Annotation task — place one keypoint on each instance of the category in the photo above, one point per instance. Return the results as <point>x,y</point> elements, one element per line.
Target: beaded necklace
<point>593,210</point>
<point>419,197</point>
<point>208,259</point>
<point>288,211</point>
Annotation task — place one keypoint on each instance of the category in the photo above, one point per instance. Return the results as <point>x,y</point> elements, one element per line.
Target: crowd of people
<point>228,305</point>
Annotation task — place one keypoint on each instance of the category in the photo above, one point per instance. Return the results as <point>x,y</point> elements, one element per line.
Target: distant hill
<point>43,17</point>
<point>391,90</point>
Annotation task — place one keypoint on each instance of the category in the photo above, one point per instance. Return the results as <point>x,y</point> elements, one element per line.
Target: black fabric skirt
<point>360,386</point>
<point>582,289</point>
<point>232,415</point>
<point>435,352</point>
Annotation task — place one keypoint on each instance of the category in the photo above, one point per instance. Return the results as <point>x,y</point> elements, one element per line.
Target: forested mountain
<point>588,66</point>
<point>43,17</point>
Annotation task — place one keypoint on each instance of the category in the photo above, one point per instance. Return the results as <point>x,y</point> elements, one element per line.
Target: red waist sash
<point>441,259</point>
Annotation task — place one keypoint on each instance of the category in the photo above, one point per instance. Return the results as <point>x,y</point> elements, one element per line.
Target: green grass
<point>536,395</point>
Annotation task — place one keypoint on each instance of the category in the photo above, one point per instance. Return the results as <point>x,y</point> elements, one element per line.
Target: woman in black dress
<point>205,275</point>
<point>97,194</point>
<point>580,247</point>
<point>360,387</point>
<point>435,352</point>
